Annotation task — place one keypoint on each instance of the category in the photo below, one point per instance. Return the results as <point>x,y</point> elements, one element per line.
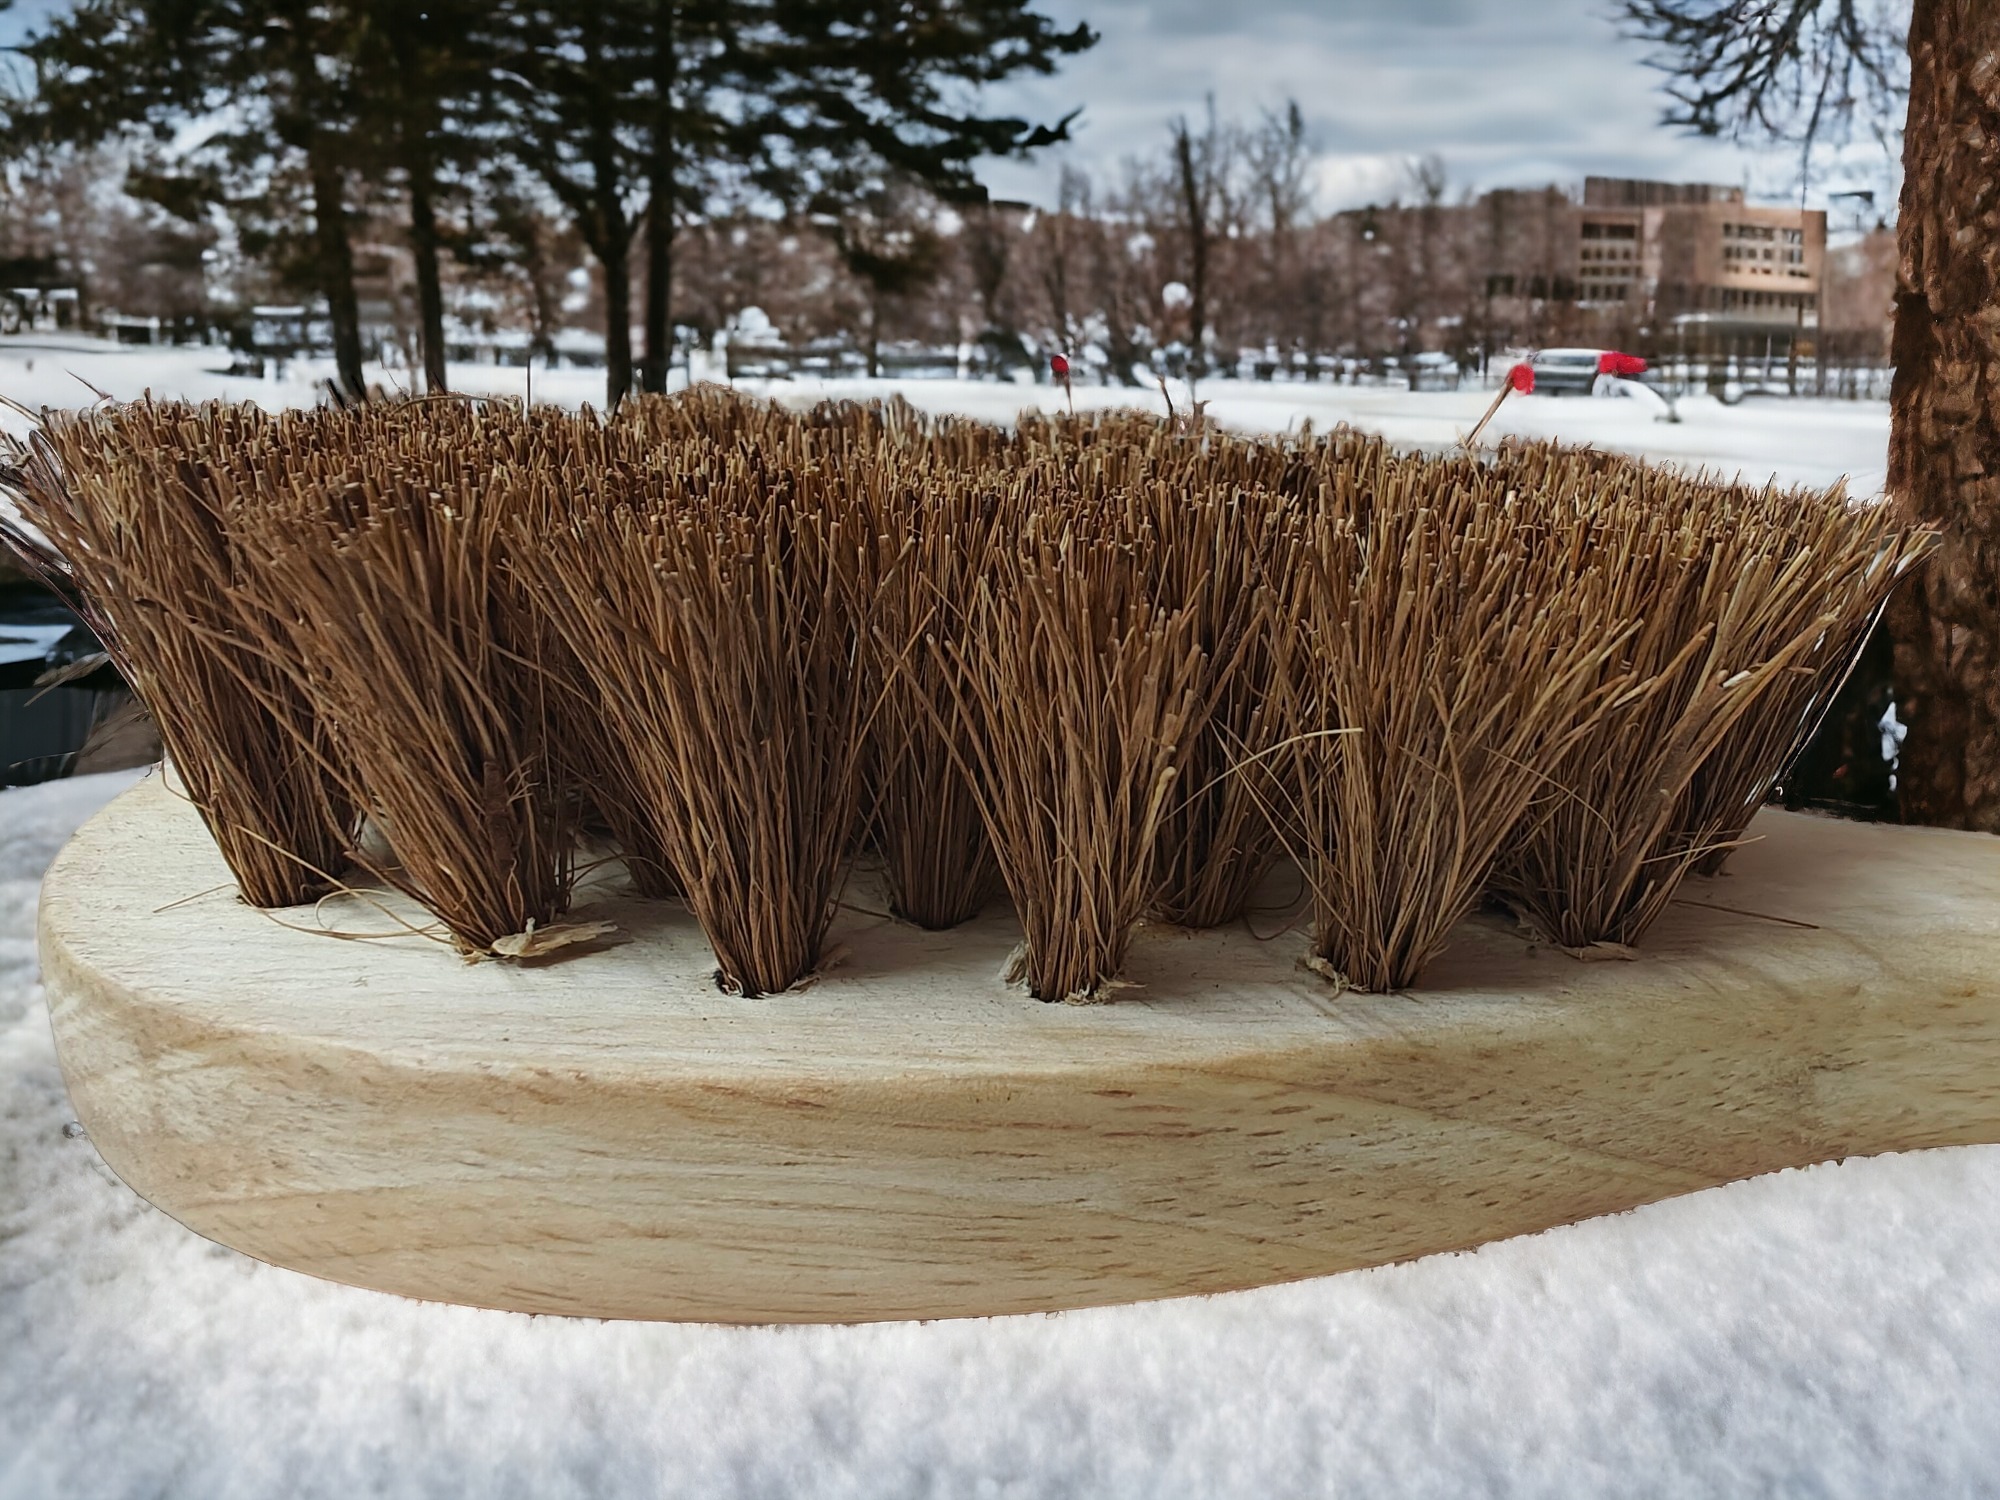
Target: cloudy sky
<point>1507,92</point>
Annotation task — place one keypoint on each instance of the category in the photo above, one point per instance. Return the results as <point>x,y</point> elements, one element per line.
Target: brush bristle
<point>1118,666</point>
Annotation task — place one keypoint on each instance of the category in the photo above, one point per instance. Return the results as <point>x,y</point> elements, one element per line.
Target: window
<point>1757,232</point>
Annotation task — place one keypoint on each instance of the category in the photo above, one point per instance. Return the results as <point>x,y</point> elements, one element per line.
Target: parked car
<point>1434,372</point>
<point>1565,372</point>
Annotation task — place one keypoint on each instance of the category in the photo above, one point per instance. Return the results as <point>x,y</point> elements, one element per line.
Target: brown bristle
<point>1075,693</point>
<point>136,504</point>
<point>1118,665</point>
<point>709,598</point>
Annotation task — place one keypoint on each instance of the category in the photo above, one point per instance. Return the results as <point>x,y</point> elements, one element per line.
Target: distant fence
<point>1843,380</point>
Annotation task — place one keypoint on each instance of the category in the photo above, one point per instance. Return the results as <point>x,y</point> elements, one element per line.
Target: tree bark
<point>336,273</point>
<point>659,358</point>
<point>424,249</point>
<point>616,258</point>
<point>660,214</point>
<point>1944,443</point>
<point>874,331</point>
<point>1192,192</point>
<point>1055,279</point>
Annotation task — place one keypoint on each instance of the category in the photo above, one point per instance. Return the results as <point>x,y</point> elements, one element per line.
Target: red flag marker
<point>1521,378</point>
<point>1059,367</point>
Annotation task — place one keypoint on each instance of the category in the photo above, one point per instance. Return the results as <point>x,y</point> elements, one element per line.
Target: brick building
<point>1686,266</point>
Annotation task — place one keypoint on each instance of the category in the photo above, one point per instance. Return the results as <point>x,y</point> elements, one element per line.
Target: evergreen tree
<point>689,136</point>
<point>578,85</point>
<point>832,86</point>
<point>278,74</point>
<point>422,78</point>
<point>627,110</point>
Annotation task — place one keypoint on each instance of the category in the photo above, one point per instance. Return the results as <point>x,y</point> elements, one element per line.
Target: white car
<point>1565,372</point>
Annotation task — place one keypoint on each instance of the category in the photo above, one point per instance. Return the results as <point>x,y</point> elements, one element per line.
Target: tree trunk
<point>336,278</point>
<point>1055,282</point>
<point>1944,442</point>
<point>616,258</point>
<point>424,249</point>
<point>874,332</point>
<point>660,216</point>
<point>659,296</point>
<point>1191,191</point>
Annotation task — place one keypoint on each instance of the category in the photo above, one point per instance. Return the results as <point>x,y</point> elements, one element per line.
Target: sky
<point>1509,93</point>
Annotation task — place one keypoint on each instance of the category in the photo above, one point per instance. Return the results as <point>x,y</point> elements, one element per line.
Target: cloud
<point>1359,179</point>
<point>1509,94</point>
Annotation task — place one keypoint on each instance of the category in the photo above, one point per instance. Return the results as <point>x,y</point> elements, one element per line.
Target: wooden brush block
<point>910,1138</point>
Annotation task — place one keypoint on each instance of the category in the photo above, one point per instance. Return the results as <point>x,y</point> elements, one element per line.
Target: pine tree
<point>422,74</point>
<point>618,108</point>
<point>629,110</point>
<point>840,95</point>
<point>280,73</point>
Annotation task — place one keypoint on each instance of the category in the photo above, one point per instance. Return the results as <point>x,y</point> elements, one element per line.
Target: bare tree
<point>1125,280</point>
<point>1278,154</point>
<point>887,238</point>
<point>1419,229</point>
<point>989,236</point>
<point>1801,71</point>
<point>1201,167</point>
<point>1060,237</point>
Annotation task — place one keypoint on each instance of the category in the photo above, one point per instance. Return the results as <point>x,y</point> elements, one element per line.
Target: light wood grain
<point>613,1136</point>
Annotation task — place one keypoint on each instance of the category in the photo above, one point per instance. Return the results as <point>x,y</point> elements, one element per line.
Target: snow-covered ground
<point>1830,1332</point>
<point>1800,441</point>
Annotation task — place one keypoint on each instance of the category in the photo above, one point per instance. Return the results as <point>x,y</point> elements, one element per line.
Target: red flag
<point>1522,379</point>
<point>1059,367</point>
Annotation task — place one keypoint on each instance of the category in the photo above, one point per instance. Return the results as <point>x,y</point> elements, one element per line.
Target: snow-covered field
<point>1831,1332</point>
<point>1801,441</point>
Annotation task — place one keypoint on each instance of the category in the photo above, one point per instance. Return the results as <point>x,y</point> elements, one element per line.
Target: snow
<point>1798,441</point>
<point>19,643</point>
<point>1827,1332</point>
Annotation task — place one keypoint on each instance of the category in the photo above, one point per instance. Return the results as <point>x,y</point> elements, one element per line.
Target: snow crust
<point>1797,441</point>
<point>1827,1332</point>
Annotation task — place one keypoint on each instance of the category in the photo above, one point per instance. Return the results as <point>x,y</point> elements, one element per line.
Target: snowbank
<point>1830,1332</point>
